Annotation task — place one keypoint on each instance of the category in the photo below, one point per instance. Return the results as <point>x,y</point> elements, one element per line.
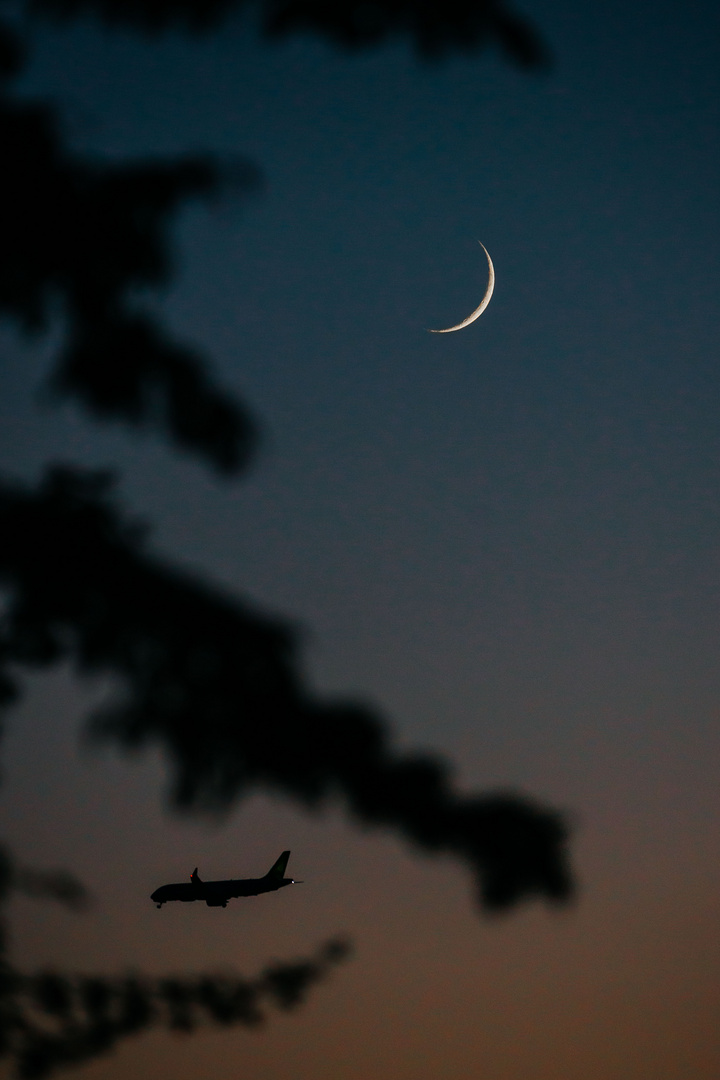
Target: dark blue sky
<point>506,538</point>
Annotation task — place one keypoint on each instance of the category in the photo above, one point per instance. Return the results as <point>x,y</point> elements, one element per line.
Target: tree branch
<point>218,687</point>
<point>434,27</point>
<point>90,235</point>
<point>50,1021</point>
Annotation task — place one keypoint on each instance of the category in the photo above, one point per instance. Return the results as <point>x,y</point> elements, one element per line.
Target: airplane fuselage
<point>217,893</point>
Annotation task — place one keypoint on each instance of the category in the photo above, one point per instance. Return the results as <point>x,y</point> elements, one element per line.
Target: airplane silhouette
<point>217,893</point>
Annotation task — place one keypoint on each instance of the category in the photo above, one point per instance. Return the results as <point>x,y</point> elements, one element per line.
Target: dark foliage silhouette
<point>217,685</point>
<point>58,885</point>
<point>51,1020</point>
<point>434,27</point>
<point>58,1020</point>
<point>86,235</point>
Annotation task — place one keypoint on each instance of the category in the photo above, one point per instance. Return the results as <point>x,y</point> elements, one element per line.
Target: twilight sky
<point>507,539</point>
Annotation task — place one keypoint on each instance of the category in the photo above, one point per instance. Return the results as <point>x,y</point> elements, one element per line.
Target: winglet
<point>277,870</point>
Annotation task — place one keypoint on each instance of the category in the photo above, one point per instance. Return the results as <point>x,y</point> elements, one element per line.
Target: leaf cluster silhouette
<point>435,27</point>
<point>53,1021</point>
<point>218,688</point>
<point>214,683</point>
<point>83,236</point>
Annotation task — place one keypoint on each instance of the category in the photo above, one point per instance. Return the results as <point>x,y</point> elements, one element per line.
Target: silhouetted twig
<point>435,27</point>
<point>51,1021</point>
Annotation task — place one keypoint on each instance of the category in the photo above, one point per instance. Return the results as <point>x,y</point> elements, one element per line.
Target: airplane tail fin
<point>277,870</point>
<point>195,877</point>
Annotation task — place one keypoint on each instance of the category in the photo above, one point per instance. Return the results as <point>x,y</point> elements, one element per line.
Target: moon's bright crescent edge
<point>483,303</point>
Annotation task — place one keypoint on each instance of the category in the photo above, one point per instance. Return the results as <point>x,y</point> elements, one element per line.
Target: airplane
<point>217,893</point>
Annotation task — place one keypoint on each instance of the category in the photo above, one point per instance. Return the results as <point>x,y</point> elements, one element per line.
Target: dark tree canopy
<point>219,689</point>
<point>53,1020</point>
<point>434,27</point>
<point>87,234</point>
<point>215,684</point>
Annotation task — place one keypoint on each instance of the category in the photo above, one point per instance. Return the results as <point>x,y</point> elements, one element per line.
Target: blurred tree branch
<point>87,235</point>
<point>434,27</point>
<point>58,885</point>
<point>219,689</point>
<point>52,1021</point>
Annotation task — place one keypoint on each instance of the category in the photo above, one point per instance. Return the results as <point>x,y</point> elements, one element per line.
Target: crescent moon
<point>483,303</point>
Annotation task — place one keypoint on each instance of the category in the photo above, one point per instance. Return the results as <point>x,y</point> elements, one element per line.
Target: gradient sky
<point>507,539</point>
